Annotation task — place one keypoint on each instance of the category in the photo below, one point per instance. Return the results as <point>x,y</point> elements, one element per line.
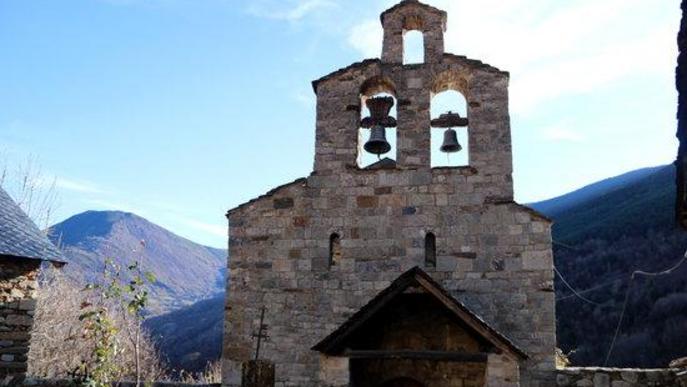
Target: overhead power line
<point>575,292</point>
<point>627,299</point>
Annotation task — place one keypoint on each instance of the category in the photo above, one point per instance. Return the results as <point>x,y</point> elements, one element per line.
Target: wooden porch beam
<point>456,356</point>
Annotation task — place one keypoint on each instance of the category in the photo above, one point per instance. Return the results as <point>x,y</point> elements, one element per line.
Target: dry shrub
<point>58,346</point>
<point>211,375</point>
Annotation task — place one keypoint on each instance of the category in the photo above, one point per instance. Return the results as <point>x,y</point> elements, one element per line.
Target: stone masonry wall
<point>492,254</point>
<point>18,285</point>
<point>616,377</point>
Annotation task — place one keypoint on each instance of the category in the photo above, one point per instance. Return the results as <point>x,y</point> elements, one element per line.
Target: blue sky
<point>178,110</point>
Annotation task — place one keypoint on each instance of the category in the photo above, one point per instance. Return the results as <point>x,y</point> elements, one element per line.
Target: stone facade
<point>492,254</point>
<point>18,286</point>
<point>617,377</point>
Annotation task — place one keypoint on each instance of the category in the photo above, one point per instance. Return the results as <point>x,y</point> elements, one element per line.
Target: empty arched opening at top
<point>444,102</point>
<point>375,88</point>
<point>413,47</point>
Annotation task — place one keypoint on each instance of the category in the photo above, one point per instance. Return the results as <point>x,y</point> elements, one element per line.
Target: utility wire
<point>609,283</point>
<point>627,298</point>
<point>575,292</point>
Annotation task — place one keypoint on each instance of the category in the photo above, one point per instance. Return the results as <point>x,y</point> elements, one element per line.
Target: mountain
<point>602,234</point>
<point>185,272</point>
<point>190,337</point>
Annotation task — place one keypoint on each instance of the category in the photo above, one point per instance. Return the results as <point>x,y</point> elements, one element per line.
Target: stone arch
<point>449,93</point>
<point>451,79</point>
<point>377,86</point>
<point>413,22</point>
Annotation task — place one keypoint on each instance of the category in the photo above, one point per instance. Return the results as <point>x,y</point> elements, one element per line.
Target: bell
<point>450,144</point>
<point>377,143</point>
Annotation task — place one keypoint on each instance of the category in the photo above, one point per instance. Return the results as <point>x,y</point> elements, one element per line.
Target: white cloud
<point>298,10</point>
<point>213,229</point>
<point>562,133</point>
<point>77,185</point>
<point>305,98</point>
<point>552,49</point>
<point>366,37</point>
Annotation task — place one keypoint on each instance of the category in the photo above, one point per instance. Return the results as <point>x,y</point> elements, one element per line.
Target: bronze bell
<point>377,143</point>
<point>451,144</point>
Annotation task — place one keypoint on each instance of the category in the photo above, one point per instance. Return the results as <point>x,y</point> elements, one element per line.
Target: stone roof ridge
<point>356,65</point>
<point>268,194</point>
<point>412,277</point>
<point>510,202</point>
<point>406,3</point>
<point>20,237</point>
<point>476,63</point>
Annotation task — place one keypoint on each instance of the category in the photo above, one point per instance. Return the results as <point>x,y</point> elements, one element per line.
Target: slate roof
<point>334,343</point>
<point>20,237</point>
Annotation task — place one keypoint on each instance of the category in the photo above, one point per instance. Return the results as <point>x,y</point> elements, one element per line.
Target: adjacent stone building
<point>23,247</point>
<point>397,274</point>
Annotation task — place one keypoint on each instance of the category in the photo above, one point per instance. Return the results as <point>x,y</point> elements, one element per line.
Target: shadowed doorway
<point>402,382</point>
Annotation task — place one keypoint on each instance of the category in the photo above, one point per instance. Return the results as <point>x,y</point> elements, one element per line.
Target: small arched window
<point>413,47</point>
<point>430,250</point>
<point>334,249</point>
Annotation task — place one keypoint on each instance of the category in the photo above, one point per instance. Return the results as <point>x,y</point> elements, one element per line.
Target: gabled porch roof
<point>336,343</point>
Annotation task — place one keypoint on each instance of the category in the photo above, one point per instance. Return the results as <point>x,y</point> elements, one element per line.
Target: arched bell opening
<point>377,132</point>
<point>450,126</point>
<point>413,40</point>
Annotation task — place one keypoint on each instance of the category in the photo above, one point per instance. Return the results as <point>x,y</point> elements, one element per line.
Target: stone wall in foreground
<point>619,377</point>
<point>18,285</point>
<point>68,383</point>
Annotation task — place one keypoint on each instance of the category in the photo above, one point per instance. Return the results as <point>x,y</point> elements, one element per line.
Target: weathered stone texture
<point>495,257</point>
<point>258,373</point>
<point>18,286</point>
<point>492,254</point>
<point>616,377</point>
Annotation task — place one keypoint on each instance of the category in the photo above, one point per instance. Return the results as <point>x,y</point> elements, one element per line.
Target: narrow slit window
<point>430,250</point>
<point>334,249</point>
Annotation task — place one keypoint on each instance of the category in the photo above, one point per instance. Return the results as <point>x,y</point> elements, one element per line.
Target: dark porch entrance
<point>403,382</point>
<point>414,334</point>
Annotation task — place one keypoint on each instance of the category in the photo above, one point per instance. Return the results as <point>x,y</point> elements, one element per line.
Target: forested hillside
<point>185,272</point>
<point>600,240</point>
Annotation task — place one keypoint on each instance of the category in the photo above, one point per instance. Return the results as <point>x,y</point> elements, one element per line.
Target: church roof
<point>416,277</point>
<point>20,237</point>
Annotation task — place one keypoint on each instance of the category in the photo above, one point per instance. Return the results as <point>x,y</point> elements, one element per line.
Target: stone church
<point>397,273</point>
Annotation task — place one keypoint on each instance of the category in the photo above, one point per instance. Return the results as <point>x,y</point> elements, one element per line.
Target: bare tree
<point>27,184</point>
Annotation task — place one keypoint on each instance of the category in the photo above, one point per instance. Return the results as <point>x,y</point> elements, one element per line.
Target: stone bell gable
<point>315,252</point>
<point>411,15</point>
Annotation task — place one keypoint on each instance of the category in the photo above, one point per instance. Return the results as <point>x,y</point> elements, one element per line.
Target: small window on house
<point>430,250</point>
<point>334,249</point>
<point>454,102</point>
<point>413,47</point>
